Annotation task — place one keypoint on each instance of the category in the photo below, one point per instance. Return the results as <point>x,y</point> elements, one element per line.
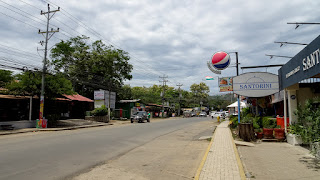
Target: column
<point>292,102</point>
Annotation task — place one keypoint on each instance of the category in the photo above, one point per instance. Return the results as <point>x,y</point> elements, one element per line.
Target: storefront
<point>300,78</point>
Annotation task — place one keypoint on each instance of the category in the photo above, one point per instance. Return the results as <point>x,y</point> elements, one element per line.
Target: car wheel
<point>131,121</point>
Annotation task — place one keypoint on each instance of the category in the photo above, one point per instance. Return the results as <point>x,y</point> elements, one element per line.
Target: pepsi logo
<point>220,60</point>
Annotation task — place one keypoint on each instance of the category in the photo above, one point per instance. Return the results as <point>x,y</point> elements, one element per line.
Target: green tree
<point>29,83</point>
<point>5,77</point>
<point>125,92</point>
<point>200,92</point>
<point>90,67</point>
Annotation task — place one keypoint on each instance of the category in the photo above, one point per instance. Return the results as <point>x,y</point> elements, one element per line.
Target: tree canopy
<point>5,77</point>
<point>29,83</point>
<point>91,67</point>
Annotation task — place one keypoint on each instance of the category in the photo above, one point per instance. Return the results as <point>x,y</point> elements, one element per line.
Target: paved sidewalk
<point>221,160</point>
<point>275,160</point>
<point>26,130</point>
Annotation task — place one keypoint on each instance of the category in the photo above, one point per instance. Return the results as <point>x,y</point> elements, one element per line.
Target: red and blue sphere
<point>220,60</point>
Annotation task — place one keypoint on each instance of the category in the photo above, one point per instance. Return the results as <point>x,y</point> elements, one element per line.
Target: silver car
<point>203,114</point>
<point>140,116</point>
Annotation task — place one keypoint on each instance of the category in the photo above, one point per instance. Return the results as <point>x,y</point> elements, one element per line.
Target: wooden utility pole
<point>48,34</point>
<point>164,81</point>
<point>179,85</point>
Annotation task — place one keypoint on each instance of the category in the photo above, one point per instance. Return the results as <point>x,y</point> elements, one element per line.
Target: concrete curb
<point>242,174</point>
<point>51,129</point>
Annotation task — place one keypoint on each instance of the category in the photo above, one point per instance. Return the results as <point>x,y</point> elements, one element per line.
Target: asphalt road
<point>64,154</point>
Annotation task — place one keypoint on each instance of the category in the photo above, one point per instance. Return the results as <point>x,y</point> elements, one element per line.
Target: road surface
<point>66,154</point>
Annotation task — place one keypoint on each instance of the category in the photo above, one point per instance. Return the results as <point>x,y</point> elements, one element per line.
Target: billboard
<point>99,95</point>
<point>225,84</point>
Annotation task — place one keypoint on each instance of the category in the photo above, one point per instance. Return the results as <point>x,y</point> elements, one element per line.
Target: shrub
<point>234,120</point>
<point>257,122</point>
<point>101,111</point>
<point>245,112</point>
<point>247,119</point>
<point>308,125</point>
<point>267,122</point>
<point>52,120</point>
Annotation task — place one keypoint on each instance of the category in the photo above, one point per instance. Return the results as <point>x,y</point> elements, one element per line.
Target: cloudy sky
<point>169,37</point>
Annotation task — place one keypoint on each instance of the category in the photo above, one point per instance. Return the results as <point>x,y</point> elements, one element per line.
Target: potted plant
<point>259,133</point>
<point>279,133</point>
<point>268,125</point>
<point>293,136</point>
<point>100,114</point>
<point>257,127</point>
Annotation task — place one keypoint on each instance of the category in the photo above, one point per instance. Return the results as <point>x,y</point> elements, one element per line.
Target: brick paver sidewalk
<point>222,161</point>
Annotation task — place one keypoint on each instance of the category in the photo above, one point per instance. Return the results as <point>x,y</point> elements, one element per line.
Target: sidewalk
<point>221,160</point>
<point>26,130</point>
<point>276,160</point>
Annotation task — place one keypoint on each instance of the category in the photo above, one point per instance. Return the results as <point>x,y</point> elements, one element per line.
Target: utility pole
<point>163,91</point>
<point>49,34</point>
<point>179,85</point>
<point>238,97</point>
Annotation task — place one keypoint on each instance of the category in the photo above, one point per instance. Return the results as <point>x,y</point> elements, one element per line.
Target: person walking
<point>149,116</point>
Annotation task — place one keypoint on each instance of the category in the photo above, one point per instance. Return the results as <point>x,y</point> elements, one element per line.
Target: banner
<point>225,84</point>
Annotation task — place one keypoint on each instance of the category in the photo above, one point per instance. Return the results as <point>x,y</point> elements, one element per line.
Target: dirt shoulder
<point>176,155</point>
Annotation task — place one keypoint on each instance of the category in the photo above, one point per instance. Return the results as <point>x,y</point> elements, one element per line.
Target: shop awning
<point>13,97</point>
<point>235,104</point>
<point>77,97</point>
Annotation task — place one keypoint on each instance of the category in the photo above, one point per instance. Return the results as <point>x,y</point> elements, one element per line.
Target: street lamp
<point>301,23</point>
<point>284,42</point>
<point>238,98</point>
<point>271,56</point>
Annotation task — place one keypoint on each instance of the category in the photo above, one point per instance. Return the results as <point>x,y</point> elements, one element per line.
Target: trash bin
<point>38,125</point>
<point>280,121</point>
<point>44,123</point>
<point>41,123</point>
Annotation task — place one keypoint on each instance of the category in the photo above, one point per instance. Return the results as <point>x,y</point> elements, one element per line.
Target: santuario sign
<point>302,66</point>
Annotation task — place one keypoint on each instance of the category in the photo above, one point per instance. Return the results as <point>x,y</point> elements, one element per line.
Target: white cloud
<point>174,37</point>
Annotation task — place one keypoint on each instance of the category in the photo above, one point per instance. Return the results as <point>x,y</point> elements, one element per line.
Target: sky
<point>173,38</point>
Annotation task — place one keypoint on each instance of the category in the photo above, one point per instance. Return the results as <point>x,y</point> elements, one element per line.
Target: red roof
<point>77,97</point>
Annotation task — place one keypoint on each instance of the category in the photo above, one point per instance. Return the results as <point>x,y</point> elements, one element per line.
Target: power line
<point>99,35</point>
<point>19,20</point>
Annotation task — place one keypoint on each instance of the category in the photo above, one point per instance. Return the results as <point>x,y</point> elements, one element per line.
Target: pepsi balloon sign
<point>220,60</point>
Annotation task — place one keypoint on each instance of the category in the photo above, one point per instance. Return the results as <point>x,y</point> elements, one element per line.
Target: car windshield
<point>139,113</point>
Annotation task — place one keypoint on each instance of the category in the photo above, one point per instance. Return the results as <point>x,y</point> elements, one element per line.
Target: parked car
<point>216,114</point>
<point>193,114</point>
<point>140,116</point>
<point>186,114</point>
<point>203,114</point>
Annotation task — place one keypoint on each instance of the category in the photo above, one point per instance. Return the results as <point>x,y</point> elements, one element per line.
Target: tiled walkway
<point>222,161</point>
